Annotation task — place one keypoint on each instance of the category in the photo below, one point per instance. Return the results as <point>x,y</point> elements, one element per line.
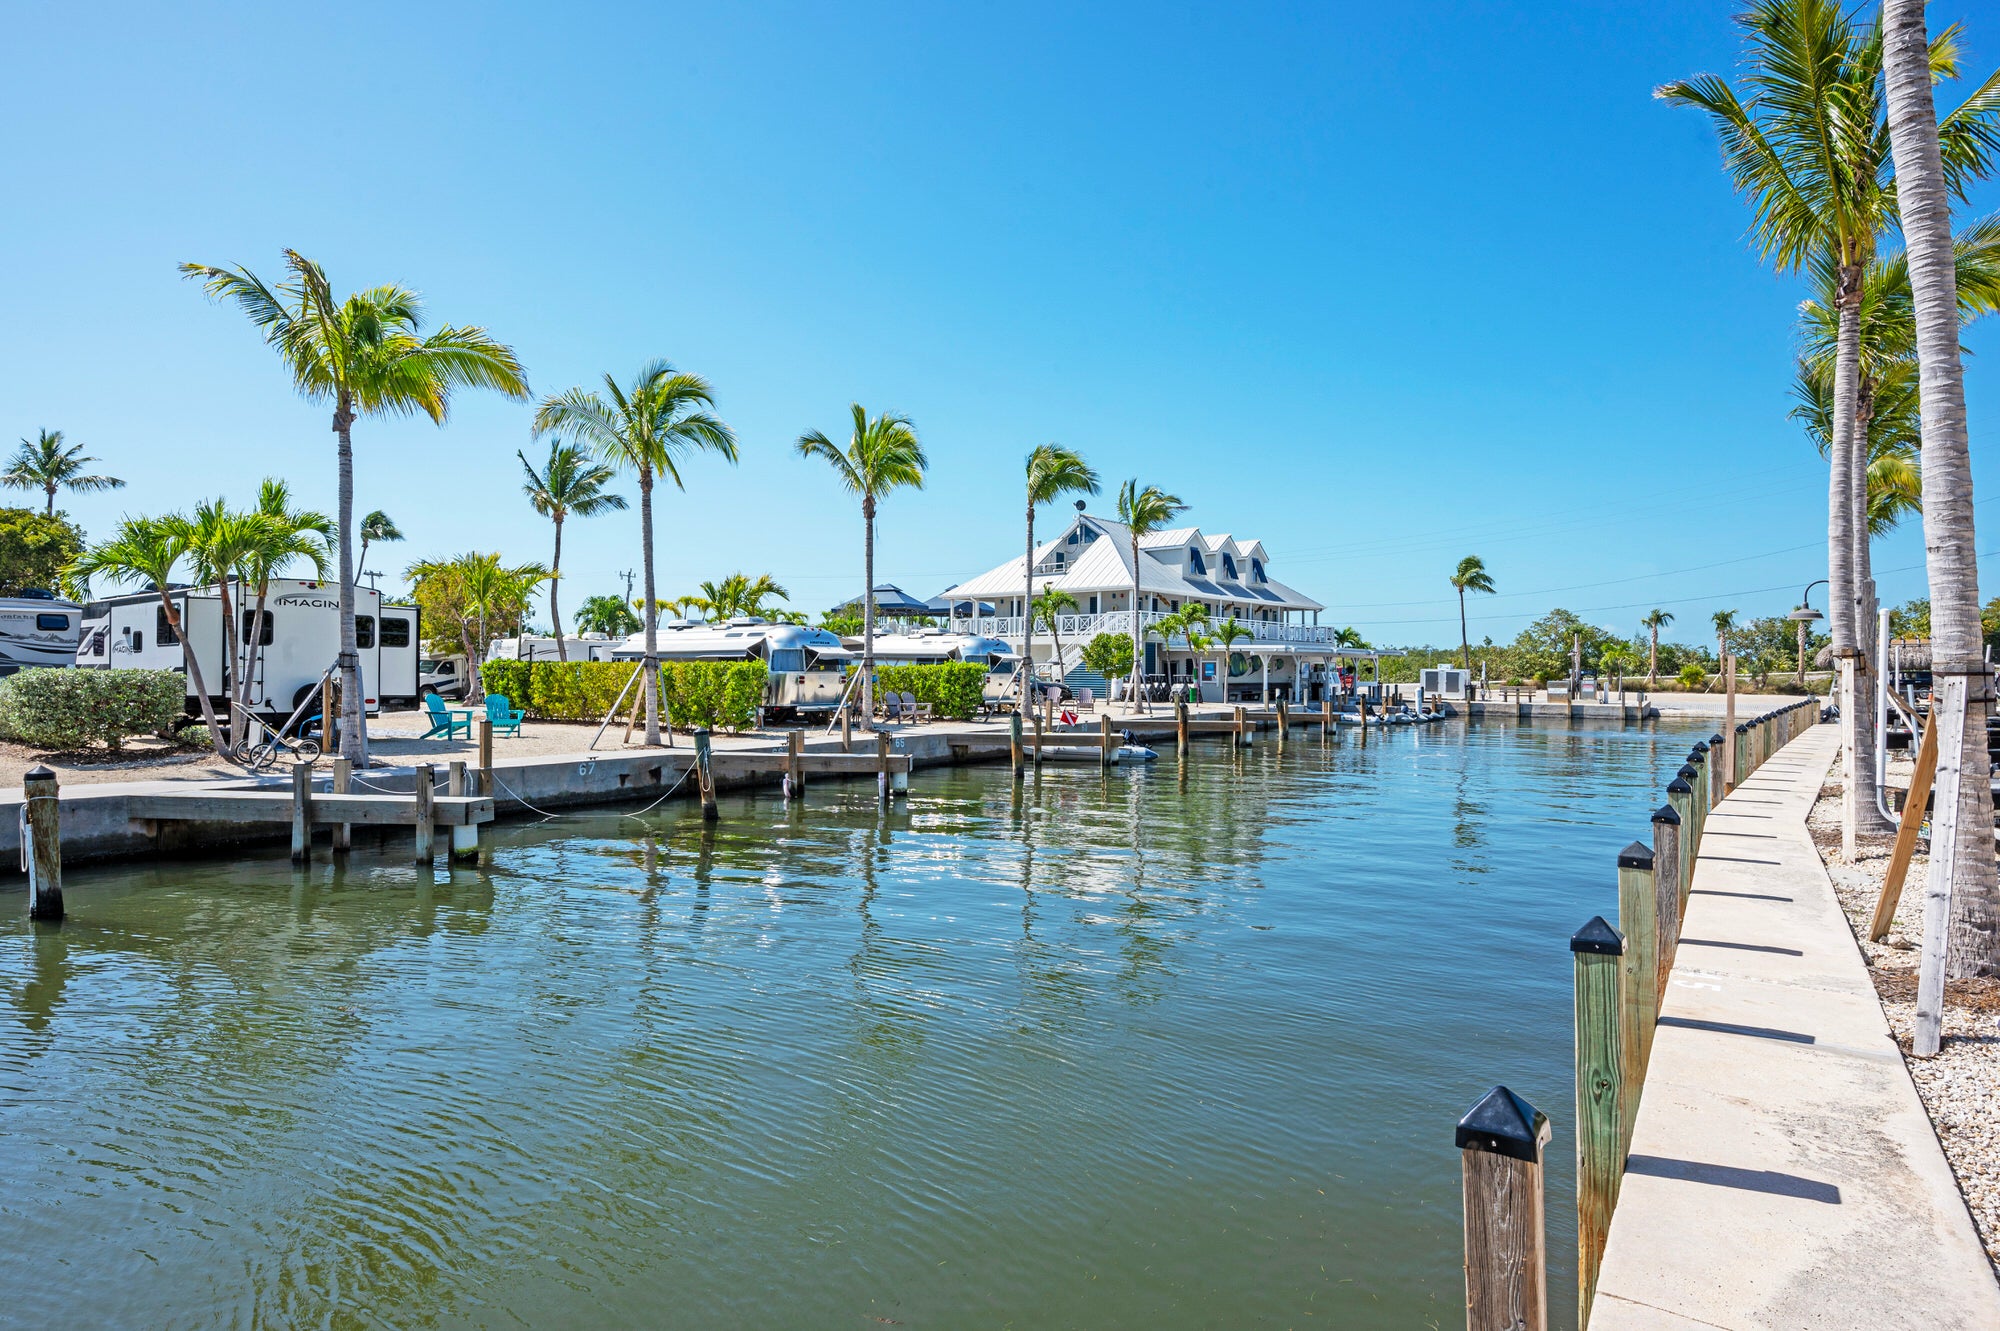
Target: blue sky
<point>1381,286</point>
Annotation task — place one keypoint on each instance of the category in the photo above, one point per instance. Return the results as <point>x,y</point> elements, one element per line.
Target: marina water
<point>1170,1047</point>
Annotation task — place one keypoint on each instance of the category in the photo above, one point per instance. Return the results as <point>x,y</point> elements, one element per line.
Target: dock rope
<point>511,794</point>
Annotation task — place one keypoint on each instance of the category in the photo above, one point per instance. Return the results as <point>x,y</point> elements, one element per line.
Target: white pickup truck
<point>444,676</point>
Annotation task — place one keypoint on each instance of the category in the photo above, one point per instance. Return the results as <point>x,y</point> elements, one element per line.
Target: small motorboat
<point>1123,754</point>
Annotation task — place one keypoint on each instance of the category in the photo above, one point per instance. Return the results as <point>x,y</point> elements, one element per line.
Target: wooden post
<point>484,729</point>
<point>1697,759</point>
<point>1716,758</point>
<point>638,705</point>
<point>454,777</point>
<point>302,815</point>
<point>1500,1140</point>
<point>1906,835</point>
<point>1638,912</point>
<point>426,828</point>
<point>343,782</point>
<point>1181,727</point>
<point>705,774</point>
<point>847,727</point>
<point>1668,864</point>
<point>795,762</point>
<point>1600,1120</point>
<point>1284,722</point>
<point>1326,721</point>
<point>1107,744</point>
<point>1680,798</point>
<point>464,836</point>
<point>1242,727</point>
<point>1036,716</point>
<point>1361,701</point>
<point>1014,743</point>
<point>40,791</point>
<point>882,762</point>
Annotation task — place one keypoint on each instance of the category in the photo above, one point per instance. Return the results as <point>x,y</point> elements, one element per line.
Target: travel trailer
<point>299,642</point>
<point>589,647</point>
<point>932,646</point>
<point>38,630</point>
<point>807,665</point>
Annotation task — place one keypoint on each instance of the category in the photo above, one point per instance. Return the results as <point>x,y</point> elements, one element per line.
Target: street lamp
<point>1805,615</point>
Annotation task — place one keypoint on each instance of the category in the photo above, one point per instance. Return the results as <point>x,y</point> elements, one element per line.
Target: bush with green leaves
<point>715,694</point>
<point>697,693</point>
<point>1109,654</point>
<point>71,709</point>
<point>1692,676</point>
<point>953,689</point>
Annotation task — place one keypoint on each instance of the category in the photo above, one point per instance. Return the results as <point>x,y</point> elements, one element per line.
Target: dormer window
<point>1257,571</point>
<point>1072,538</point>
<point>1195,565</point>
<point>1089,535</point>
<point>1228,567</point>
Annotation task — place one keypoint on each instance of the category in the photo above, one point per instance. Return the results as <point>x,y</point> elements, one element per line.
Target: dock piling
<point>1181,728</point>
<point>464,836</point>
<point>795,763</point>
<point>882,760</point>
<point>485,730</point>
<point>454,777</point>
<point>1242,726</point>
<point>1597,949</point>
<point>302,818</point>
<point>426,826</point>
<point>1638,912</point>
<point>1361,701</point>
<point>1668,893</point>
<point>343,781</point>
<point>1500,1140</point>
<point>44,824</point>
<point>1107,743</point>
<point>846,728</point>
<point>704,774</point>
<point>1284,722</point>
<point>1014,744</point>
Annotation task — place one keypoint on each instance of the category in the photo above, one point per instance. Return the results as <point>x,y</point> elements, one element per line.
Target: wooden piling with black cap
<point>1638,914</point>
<point>1014,744</point>
<point>426,826</point>
<point>1669,895</point>
<point>43,819</point>
<point>1500,1143</point>
<point>704,773</point>
<point>1597,950</point>
<point>302,814</point>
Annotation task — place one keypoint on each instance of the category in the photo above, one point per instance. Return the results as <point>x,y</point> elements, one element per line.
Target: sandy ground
<point>1961,1086</point>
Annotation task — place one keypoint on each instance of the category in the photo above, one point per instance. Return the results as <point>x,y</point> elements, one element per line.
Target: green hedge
<point>70,709</point>
<point>698,693</point>
<point>954,689</point>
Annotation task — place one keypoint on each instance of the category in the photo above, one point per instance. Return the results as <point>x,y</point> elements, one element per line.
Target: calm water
<point>1161,1049</point>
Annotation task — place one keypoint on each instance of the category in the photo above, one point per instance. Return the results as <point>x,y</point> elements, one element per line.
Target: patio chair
<point>1086,702</point>
<point>917,711</point>
<point>892,707</point>
<point>445,721</point>
<point>504,716</point>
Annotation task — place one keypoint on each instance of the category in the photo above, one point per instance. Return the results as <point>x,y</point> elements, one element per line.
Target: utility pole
<point>627,575</point>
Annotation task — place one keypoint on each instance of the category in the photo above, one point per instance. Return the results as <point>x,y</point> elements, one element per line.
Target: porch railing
<point>1083,626</point>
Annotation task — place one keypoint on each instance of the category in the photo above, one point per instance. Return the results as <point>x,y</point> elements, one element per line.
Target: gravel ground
<point>1961,1086</point>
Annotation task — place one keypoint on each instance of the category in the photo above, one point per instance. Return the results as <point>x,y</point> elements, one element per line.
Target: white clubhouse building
<point>1288,653</point>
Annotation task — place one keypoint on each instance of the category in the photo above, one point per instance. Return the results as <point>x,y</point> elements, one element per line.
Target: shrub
<point>511,679</point>
<point>713,693</point>
<point>68,709</point>
<point>697,693</point>
<point>1692,676</point>
<point>952,688</point>
<point>1109,654</point>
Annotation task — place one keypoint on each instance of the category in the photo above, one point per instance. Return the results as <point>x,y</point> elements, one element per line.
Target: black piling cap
<point>1743,729</point>
<point>1638,855</point>
<point>1598,939</point>
<point>1700,746</point>
<point>1686,773</point>
<point>1502,1123</point>
<point>38,773</point>
<point>1665,813</point>
<point>1680,786</point>
<point>1715,740</point>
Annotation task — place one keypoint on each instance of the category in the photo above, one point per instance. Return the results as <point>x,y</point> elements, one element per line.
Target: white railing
<point>1082,627</point>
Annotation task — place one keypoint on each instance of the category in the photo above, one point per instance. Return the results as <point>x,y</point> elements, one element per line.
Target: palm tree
<point>1809,146</point>
<point>1053,471</point>
<point>146,550</point>
<point>1143,510</point>
<point>218,542</point>
<point>1471,576</point>
<point>484,591</point>
<point>608,615</point>
<point>365,355</point>
<point>377,526</point>
<point>282,534</point>
<point>1654,621</point>
<point>882,455</point>
<point>47,464</point>
<point>1227,634</point>
<point>1962,873</point>
<point>736,595</point>
<point>1187,622</point>
<point>652,427</point>
<point>1725,624</point>
<point>570,483</point>
<point>1049,605</point>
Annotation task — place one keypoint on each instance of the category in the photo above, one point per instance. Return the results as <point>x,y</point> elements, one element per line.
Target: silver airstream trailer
<point>806,664</point>
<point>931,646</point>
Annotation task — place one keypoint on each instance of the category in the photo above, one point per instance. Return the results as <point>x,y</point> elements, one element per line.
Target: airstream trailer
<point>931,646</point>
<point>806,664</point>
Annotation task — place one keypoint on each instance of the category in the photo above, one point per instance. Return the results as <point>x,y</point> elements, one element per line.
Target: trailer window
<point>395,632</point>
<point>51,622</point>
<point>364,630</point>
<point>162,630</point>
<point>250,625</point>
<point>138,640</point>
<point>788,661</point>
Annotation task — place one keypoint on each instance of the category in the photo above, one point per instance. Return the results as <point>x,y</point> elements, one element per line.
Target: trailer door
<point>398,638</point>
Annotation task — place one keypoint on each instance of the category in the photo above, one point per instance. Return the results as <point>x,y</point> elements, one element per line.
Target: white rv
<point>806,664</point>
<point>299,641</point>
<point>932,646</point>
<point>533,647</point>
<point>38,630</point>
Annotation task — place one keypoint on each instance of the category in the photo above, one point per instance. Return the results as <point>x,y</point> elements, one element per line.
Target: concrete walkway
<point>1783,1173</point>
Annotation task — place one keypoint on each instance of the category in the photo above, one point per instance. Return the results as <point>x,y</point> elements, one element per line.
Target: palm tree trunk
<point>652,659</point>
<point>1464,638</point>
<point>1956,636</point>
<point>555,614</point>
<point>1028,629</point>
<point>50,486</point>
<point>215,735</point>
<point>1653,659</point>
<point>1138,634</point>
<point>867,611</point>
<point>1850,458</point>
<point>353,710</point>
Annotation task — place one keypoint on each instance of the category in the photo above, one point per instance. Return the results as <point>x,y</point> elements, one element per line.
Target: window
<point>1257,570</point>
<point>50,623</point>
<point>364,630</point>
<point>1093,604</point>
<point>162,630</point>
<point>138,640</point>
<point>1059,559</point>
<point>1089,535</point>
<point>395,632</point>
<point>1072,538</point>
<point>250,626</point>
<point>788,661</point>
<point>1228,567</point>
<point>1195,563</point>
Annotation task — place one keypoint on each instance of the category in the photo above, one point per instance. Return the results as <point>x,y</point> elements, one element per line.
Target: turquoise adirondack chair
<point>444,720</point>
<point>503,715</point>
